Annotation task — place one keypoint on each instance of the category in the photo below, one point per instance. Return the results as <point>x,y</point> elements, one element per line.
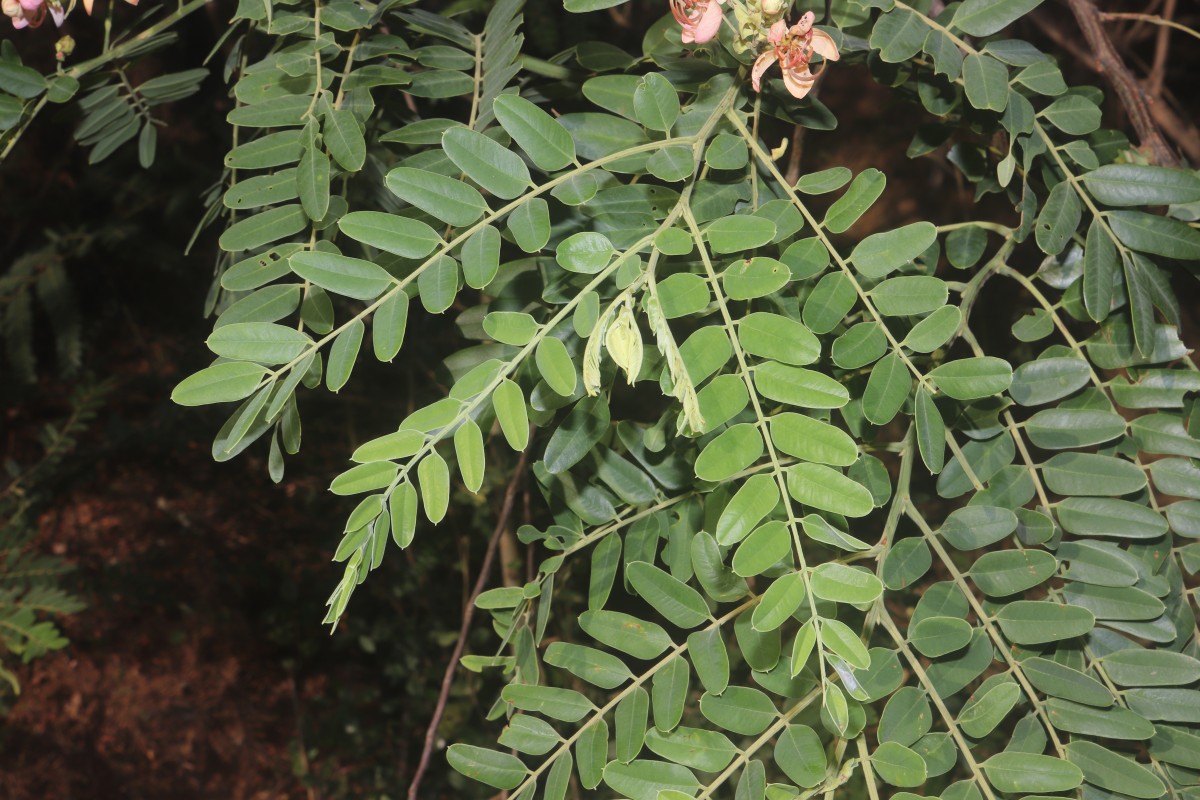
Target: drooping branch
<point>1133,99</point>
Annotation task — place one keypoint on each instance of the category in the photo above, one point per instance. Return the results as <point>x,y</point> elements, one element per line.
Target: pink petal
<point>709,24</point>
<point>823,44</point>
<point>31,5</point>
<point>58,15</point>
<point>799,82</point>
<point>761,65</point>
<point>776,32</point>
<point>20,22</point>
<point>805,23</point>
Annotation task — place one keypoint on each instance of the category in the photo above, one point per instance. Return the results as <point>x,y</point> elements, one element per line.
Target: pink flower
<point>793,48</point>
<point>701,19</point>
<point>25,13</point>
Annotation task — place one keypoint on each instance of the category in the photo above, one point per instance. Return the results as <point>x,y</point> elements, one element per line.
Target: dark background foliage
<point>199,668</point>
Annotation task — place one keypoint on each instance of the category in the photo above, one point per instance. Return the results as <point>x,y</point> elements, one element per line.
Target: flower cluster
<point>792,47</point>
<point>32,13</point>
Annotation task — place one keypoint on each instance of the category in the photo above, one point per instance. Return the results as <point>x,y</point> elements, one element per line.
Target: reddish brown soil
<point>165,693</point>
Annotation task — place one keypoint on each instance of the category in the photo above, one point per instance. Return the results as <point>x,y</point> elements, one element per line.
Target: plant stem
<point>485,570</point>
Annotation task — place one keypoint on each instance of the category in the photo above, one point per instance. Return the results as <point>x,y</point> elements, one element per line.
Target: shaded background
<point>200,668</point>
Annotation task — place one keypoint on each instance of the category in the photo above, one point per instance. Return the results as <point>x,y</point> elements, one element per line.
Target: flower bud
<point>64,47</point>
<point>624,343</point>
<point>772,7</point>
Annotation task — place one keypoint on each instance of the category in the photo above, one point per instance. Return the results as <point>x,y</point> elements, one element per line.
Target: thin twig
<point>1152,19</point>
<point>1132,97</point>
<point>1162,45</point>
<point>485,569</point>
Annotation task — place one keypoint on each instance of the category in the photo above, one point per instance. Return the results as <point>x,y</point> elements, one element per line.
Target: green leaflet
<point>350,277</point>
<point>394,234</point>
<point>1026,772</point>
<point>863,192</point>
<point>219,383</point>
<point>446,199</point>
<point>638,638</point>
<point>732,451</point>
<point>1141,185</point>
<point>501,770</point>
<point>343,355</point>
<point>263,342</point>
<point>538,134</point>
<point>986,82</point>
<point>882,253</point>
<point>492,166</point>
<point>263,228</point>
<point>981,18</point>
